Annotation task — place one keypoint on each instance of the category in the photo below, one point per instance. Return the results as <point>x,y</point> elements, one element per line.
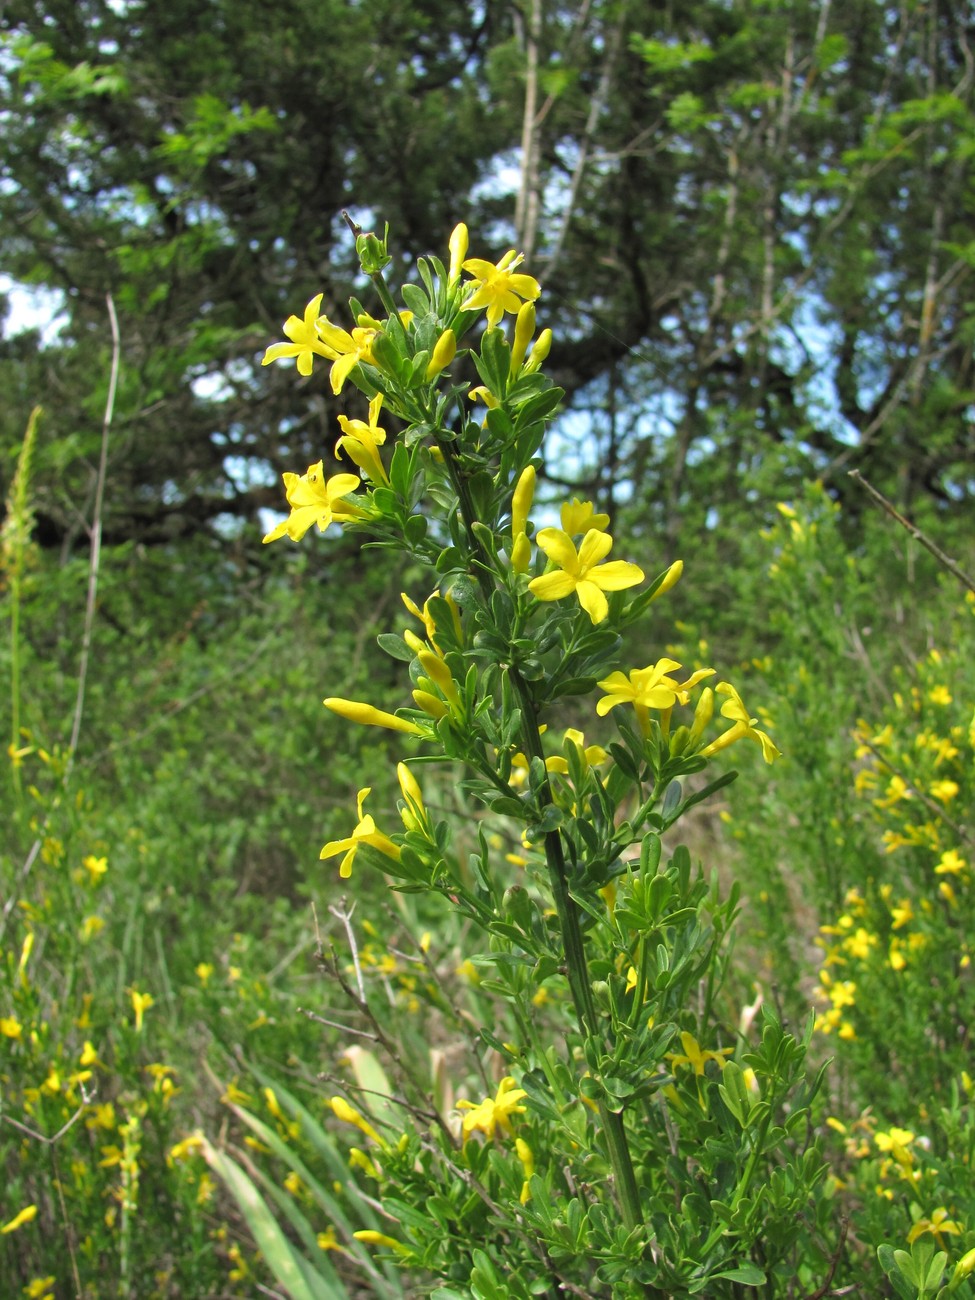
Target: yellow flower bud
<point>370,717</point>
<point>458,246</point>
<point>965,1265</point>
<point>539,352</point>
<point>524,329</point>
<point>432,705</point>
<point>671,578</point>
<point>443,354</point>
<point>522,498</point>
<point>521,553</point>
<point>438,672</point>
<point>349,1115</point>
<point>702,716</point>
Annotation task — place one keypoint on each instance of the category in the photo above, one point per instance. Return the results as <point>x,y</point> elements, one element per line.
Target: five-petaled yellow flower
<point>315,501</point>
<point>362,441</point>
<point>582,571</point>
<point>365,833</point>
<point>648,688</point>
<point>346,349</point>
<point>493,1112</point>
<point>305,340</point>
<point>744,726</point>
<point>499,288</point>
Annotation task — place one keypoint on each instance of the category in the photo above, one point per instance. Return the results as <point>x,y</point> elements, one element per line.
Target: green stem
<point>566,909</point>
<point>578,968</point>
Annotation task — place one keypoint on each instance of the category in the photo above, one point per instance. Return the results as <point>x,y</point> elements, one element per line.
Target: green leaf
<point>395,646</point>
<point>278,1253</point>
<point>747,1274</point>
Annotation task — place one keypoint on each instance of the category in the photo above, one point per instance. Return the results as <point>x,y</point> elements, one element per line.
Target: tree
<point>750,220</point>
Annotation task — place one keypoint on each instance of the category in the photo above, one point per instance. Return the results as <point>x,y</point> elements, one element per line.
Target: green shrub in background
<point>147,930</point>
<point>856,868</point>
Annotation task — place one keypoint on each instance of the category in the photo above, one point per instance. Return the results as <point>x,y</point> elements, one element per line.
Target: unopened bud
<point>671,578</point>
<point>521,553</point>
<point>702,716</point>
<point>524,329</point>
<point>373,256</point>
<point>521,500</point>
<point>443,353</point>
<point>458,251</point>
<point>539,352</point>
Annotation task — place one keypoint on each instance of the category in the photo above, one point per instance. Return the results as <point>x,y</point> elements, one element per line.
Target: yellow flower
<point>902,914</point>
<point>203,971</point>
<point>26,1215</point>
<point>485,395</point>
<point>89,1055</point>
<point>348,349</point>
<point>364,833</point>
<point>950,863</point>
<point>499,288</point>
<point>96,867</point>
<point>327,1240</point>
<point>896,1143</point>
<point>944,790</point>
<point>493,1112</point>
<point>695,1057</point>
<point>90,926</point>
<point>370,717</point>
<point>305,343</point>
<point>102,1116</point>
<point>40,1288</point>
<point>10,1028</point>
<point>141,1002</point>
<point>362,441</point>
<point>582,572</point>
<point>590,755</point>
<point>744,726</point>
<point>938,1224</point>
<point>648,688</point>
<point>313,501</point>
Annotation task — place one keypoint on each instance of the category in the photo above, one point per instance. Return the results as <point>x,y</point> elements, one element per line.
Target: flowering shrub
<point>604,1128</point>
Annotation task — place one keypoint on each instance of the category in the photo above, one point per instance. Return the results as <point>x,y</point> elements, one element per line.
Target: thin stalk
<point>16,538</point>
<point>578,968</point>
<point>96,541</point>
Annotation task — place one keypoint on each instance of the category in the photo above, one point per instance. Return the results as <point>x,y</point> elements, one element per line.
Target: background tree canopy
<point>752,221</point>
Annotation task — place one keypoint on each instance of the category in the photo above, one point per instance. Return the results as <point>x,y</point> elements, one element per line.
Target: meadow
<point>726,1053</point>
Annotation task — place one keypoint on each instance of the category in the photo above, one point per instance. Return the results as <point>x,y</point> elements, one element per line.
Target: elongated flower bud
<point>443,353</point>
<point>671,579</point>
<point>521,500</point>
<point>458,246</point>
<point>431,704</point>
<point>539,352</point>
<point>521,553</point>
<point>438,672</point>
<point>370,717</point>
<point>524,329</point>
<point>702,716</point>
